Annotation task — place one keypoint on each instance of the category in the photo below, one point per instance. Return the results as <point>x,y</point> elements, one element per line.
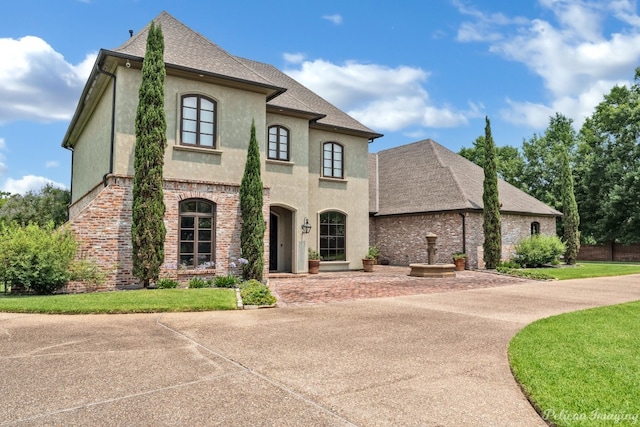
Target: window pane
<point>206,128</point>
<point>186,235</point>
<point>204,207</point>
<point>273,154</point>
<point>206,116</point>
<point>190,101</point>
<point>206,140</point>
<point>204,235</point>
<point>188,126</point>
<point>186,260</point>
<point>327,172</point>
<point>202,258</point>
<point>204,248</point>
<point>206,104</point>
<point>189,206</point>
<point>188,138</point>
<point>186,222</point>
<point>204,223</point>
<point>189,114</point>
<point>186,247</point>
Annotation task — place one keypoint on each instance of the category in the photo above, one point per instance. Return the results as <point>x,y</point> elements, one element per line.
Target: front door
<point>273,242</point>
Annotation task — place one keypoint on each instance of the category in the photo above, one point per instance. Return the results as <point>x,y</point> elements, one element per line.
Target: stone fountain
<point>431,269</point>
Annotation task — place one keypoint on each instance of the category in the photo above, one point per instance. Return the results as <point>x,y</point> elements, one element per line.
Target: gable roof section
<point>426,177</point>
<point>299,98</point>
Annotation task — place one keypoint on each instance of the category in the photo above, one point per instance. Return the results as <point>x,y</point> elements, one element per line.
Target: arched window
<point>278,143</point>
<point>198,121</point>
<point>535,228</point>
<point>332,160</point>
<point>333,231</point>
<point>197,233</point>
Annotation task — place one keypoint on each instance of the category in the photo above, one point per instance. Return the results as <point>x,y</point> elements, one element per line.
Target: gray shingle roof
<point>426,177</point>
<point>188,49</point>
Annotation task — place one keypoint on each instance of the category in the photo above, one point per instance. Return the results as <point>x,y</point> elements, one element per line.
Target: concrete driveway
<point>429,360</point>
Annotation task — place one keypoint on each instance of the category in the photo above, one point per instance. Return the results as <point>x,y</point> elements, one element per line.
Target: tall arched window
<point>332,160</point>
<point>198,121</point>
<point>197,233</point>
<point>333,231</point>
<point>535,228</point>
<point>278,143</point>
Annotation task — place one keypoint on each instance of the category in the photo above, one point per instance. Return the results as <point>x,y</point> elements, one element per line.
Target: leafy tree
<point>570,210</point>
<point>147,226</point>
<point>491,226</point>
<point>49,204</point>
<point>251,203</point>
<point>510,163</point>
<point>608,167</point>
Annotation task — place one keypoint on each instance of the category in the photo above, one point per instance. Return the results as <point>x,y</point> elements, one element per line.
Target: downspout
<point>113,124</point>
<point>464,232</point>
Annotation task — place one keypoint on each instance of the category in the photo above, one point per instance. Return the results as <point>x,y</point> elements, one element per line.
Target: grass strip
<point>137,301</point>
<point>582,368</point>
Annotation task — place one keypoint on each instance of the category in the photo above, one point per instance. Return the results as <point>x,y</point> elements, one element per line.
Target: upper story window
<point>332,160</point>
<point>198,122</point>
<point>278,143</point>
<point>197,233</point>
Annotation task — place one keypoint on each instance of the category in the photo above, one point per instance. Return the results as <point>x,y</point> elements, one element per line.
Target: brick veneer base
<point>102,222</point>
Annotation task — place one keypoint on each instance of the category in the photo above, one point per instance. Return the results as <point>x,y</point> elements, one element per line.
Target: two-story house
<point>314,161</point>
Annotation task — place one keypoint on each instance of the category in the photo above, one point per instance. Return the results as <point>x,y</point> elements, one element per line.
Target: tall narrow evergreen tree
<point>251,202</point>
<point>147,226</point>
<point>491,226</point>
<point>570,211</point>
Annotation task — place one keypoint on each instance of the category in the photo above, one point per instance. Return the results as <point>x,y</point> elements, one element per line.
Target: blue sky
<point>410,70</point>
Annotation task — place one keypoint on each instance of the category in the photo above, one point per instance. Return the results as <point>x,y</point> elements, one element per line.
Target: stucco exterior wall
<point>402,239</point>
<point>92,150</point>
<point>349,196</point>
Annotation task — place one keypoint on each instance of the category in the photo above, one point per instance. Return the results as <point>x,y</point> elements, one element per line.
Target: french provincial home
<point>314,161</point>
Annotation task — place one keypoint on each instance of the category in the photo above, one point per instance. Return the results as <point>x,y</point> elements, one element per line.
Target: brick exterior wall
<point>610,252</point>
<point>402,239</point>
<point>102,222</point>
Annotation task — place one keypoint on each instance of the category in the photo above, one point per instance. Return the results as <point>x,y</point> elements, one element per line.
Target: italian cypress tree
<point>147,226</point>
<point>570,211</point>
<point>253,227</point>
<point>491,226</point>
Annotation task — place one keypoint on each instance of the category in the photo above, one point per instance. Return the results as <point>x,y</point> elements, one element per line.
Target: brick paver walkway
<point>384,281</point>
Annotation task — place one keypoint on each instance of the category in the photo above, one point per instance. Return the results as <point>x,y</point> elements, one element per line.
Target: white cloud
<point>381,97</point>
<point>336,19</point>
<point>52,164</point>
<point>577,61</point>
<point>28,183</point>
<point>36,82</point>
<point>293,58</point>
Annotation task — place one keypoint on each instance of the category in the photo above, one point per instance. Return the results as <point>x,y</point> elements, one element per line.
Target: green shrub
<point>527,274</point>
<point>41,259</point>
<point>256,293</point>
<point>229,281</point>
<point>198,282</point>
<point>507,265</point>
<point>538,250</point>
<point>166,283</point>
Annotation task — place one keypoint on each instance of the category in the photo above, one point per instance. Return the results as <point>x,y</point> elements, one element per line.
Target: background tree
<point>571,219</point>
<point>251,203</point>
<point>491,226</point>
<point>49,204</point>
<point>509,160</point>
<point>147,225</point>
<point>608,168</point>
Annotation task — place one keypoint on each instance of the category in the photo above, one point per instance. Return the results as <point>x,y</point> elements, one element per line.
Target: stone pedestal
<point>432,270</point>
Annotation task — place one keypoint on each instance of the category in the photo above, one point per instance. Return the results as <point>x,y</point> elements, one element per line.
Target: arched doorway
<point>281,239</point>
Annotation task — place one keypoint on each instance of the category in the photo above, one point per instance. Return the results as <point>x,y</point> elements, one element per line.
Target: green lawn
<point>582,368</point>
<point>139,301</point>
<point>586,269</point>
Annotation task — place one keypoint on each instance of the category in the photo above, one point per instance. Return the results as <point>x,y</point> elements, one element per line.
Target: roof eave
<point>349,131</point>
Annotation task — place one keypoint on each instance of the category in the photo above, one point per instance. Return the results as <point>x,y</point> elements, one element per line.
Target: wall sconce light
<point>306,227</point>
